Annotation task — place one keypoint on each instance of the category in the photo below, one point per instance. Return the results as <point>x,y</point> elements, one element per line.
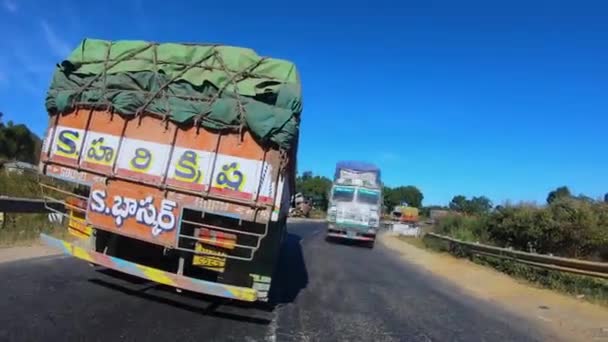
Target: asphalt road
<point>328,292</point>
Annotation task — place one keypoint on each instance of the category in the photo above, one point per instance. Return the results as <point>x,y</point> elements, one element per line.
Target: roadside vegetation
<point>18,143</point>
<point>18,229</point>
<point>23,229</point>
<point>19,185</point>
<point>567,226</point>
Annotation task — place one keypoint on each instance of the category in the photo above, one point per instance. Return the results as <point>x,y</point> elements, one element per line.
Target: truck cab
<point>355,203</point>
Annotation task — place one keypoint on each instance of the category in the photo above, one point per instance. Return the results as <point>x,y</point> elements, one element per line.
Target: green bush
<point>466,228</point>
<point>568,227</point>
<point>23,228</point>
<point>16,185</point>
<point>521,227</point>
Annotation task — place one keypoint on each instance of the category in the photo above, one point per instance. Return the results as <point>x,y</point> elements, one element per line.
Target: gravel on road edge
<point>573,319</point>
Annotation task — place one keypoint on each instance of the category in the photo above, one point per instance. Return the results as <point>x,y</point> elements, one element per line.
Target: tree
<point>408,194</point>
<point>561,192</point>
<point>606,198</point>
<point>474,206</point>
<point>479,205</point>
<point>585,198</point>
<point>18,142</point>
<point>389,202</point>
<point>316,187</point>
<point>458,203</point>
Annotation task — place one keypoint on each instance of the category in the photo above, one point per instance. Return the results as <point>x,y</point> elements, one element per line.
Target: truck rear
<point>405,214</point>
<point>355,202</point>
<point>176,162</point>
<point>405,220</point>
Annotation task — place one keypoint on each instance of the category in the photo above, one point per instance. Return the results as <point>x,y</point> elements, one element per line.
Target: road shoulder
<point>10,254</point>
<point>565,316</point>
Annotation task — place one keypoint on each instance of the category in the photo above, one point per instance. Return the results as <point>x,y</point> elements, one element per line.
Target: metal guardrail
<point>575,266</point>
<point>28,205</point>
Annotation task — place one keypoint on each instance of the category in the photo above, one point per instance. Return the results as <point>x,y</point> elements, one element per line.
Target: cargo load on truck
<point>357,173</point>
<point>181,161</point>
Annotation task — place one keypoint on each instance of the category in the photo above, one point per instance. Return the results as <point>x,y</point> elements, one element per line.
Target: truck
<point>405,220</point>
<point>355,202</point>
<point>301,206</point>
<point>173,162</point>
<point>405,214</point>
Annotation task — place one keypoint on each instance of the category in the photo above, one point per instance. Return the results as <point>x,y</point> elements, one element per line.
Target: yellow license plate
<point>214,259</point>
<point>77,227</point>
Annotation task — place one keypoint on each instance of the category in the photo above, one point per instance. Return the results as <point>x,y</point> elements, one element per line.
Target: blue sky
<point>505,100</point>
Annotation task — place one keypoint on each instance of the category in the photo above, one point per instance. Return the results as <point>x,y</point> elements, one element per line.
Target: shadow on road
<point>348,242</point>
<point>192,302</point>
<point>290,276</point>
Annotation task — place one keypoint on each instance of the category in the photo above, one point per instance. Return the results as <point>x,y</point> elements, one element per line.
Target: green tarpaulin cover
<point>222,87</point>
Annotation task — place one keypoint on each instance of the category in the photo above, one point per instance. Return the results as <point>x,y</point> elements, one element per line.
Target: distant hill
<point>17,142</point>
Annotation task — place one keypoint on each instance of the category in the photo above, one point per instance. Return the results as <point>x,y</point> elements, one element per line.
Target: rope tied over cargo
<point>233,80</point>
<point>162,88</point>
<point>106,68</point>
<point>221,88</point>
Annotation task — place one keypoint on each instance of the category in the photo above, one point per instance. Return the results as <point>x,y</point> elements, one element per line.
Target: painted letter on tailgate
<point>135,211</point>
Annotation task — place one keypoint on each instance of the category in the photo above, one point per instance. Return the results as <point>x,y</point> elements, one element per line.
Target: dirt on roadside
<point>565,316</point>
<point>8,254</point>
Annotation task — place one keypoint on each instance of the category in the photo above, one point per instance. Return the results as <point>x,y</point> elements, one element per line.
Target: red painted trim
<point>138,176</point>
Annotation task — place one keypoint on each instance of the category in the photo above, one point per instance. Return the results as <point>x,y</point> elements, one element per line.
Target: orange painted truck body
<point>405,214</point>
<point>212,204</point>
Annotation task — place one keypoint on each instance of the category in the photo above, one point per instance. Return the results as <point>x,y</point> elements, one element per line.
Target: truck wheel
<point>370,244</point>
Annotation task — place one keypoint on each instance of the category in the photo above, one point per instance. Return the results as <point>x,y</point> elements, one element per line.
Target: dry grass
<point>24,229</point>
<point>414,241</point>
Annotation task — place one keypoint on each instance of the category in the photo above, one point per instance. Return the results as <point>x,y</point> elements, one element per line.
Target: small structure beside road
<point>17,167</point>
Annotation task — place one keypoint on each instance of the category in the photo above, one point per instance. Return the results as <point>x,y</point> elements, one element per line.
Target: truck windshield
<point>368,196</point>
<point>343,194</point>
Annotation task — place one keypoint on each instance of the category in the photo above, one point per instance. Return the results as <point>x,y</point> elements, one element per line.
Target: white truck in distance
<point>355,202</point>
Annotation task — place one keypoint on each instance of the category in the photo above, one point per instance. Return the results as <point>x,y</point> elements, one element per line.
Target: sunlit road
<point>328,292</point>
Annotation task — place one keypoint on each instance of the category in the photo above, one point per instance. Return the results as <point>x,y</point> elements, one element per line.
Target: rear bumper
<point>153,274</point>
<point>355,237</point>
